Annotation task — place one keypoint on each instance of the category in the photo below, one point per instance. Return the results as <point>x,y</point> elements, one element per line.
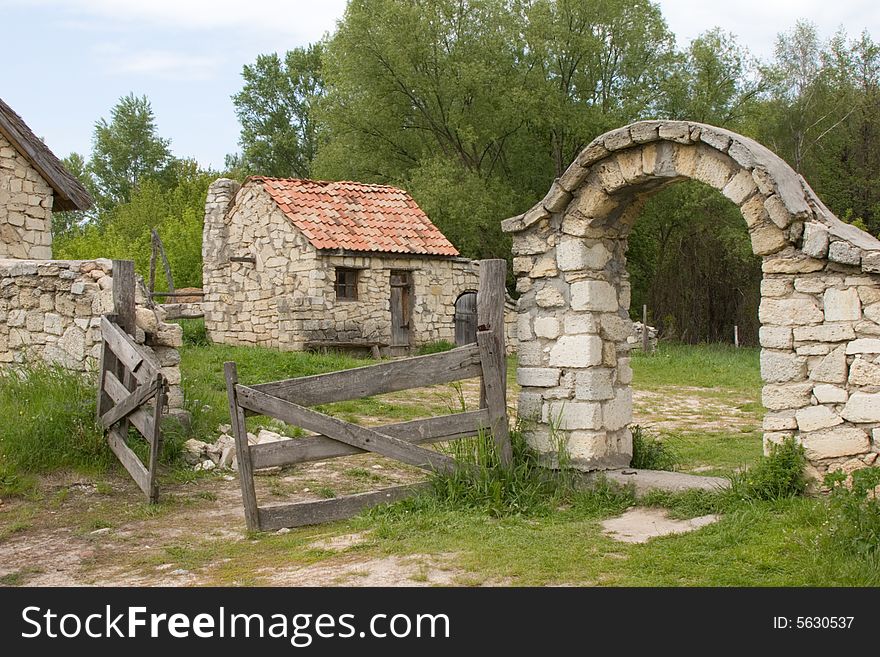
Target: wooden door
<point>401,308</point>
<point>466,319</point>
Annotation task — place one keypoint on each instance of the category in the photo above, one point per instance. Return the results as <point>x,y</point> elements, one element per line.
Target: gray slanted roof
<point>69,192</point>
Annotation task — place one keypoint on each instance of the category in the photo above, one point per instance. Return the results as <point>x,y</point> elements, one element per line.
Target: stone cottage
<point>298,264</point>
<point>33,183</point>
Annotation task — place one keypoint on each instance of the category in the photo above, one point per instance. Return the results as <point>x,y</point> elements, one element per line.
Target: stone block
<point>789,312</point>
<point>546,327</point>
<point>767,239</point>
<point>775,337</point>
<point>576,351</point>
<point>575,323</point>
<point>864,346</point>
<point>572,255</point>
<point>836,442</point>
<point>864,373</point>
<point>781,366</point>
<point>826,393</point>
<point>844,253</point>
<point>617,413</point>
<point>815,242</point>
<point>782,397</point>
<point>862,407</point>
<point>568,415</point>
<point>594,295</point>
<point>549,297</point>
<point>776,287</point>
<point>842,305</point>
<point>832,368</point>
<point>824,333</point>
<point>814,418</point>
<point>784,421</point>
<point>537,377</point>
<point>594,384</point>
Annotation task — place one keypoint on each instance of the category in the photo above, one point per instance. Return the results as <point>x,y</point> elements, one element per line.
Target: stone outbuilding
<point>299,264</point>
<point>819,312</point>
<point>33,183</point>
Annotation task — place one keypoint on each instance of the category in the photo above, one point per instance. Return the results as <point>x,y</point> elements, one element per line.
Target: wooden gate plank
<point>118,392</point>
<point>131,403</point>
<point>366,439</point>
<point>340,508</point>
<point>119,344</point>
<point>129,460</point>
<point>316,448</point>
<point>242,449</point>
<point>496,400</point>
<point>416,372</point>
<point>155,440</point>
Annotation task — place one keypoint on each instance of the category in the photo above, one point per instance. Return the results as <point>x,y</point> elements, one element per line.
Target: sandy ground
<point>101,532</point>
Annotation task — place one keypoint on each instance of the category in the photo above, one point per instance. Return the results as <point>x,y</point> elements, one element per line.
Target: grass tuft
<point>47,422</point>
<point>651,452</point>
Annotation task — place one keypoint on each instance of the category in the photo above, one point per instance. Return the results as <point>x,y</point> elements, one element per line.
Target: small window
<point>346,284</point>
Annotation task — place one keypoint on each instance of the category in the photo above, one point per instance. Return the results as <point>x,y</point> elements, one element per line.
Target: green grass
<point>47,422</point>
<point>700,366</point>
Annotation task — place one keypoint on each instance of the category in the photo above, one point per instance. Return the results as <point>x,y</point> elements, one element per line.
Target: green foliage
<point>194,332</point>
<point>776,476</point>
<point>279,135</point>
<point>651,452</point>
<point>175,208</point>
<point>854,525</point>
<point>126,150</point>
<point>47,422</point>
<point>435,347</point>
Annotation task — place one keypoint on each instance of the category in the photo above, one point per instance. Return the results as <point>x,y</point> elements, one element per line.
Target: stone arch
<point>820,305</point>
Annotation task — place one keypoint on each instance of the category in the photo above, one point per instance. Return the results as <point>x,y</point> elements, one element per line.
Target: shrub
<point>47,422</point>
<point>776,476</point>
<point>650,452</point>
<point>854,519</point>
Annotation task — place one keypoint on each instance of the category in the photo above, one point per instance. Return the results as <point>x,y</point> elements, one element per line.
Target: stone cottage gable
<point>357,217</point>
<point>33,183</point>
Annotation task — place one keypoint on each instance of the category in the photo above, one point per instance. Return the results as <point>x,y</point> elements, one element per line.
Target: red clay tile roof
<point>357,216</point>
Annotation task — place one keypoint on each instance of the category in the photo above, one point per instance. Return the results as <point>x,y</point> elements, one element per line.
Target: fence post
<point>124,295</point>
<point>645,341</point>
<point>490,338</point>
<point>242,450</point>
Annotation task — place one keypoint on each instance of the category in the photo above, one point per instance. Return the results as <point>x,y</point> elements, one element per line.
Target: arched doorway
<point>466,318</point>
<point>819,312</point>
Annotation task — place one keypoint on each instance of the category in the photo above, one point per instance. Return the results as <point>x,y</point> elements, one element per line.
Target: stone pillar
<point>215,256</point>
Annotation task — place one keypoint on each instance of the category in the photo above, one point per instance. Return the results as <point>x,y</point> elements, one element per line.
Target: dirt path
<point>101,532</point>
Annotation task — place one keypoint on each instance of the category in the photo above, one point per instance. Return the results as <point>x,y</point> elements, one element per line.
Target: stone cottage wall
<point>50,311</point>
<point>25,207</point>
<point>820,307</point>
<point>286,296</point>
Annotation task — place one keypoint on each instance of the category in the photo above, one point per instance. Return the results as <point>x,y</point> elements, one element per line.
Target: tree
<point>126,150</point>
<point>279,135</point>
<point>65,224</point>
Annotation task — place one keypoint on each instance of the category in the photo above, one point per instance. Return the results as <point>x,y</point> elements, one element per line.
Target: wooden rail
<point>289,400</point>
<point>127,382</point>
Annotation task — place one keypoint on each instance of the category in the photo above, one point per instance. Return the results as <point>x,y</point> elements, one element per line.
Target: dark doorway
<point>466,318</point>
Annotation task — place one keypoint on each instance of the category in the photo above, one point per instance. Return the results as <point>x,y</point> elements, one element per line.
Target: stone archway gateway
<point>819,313</point>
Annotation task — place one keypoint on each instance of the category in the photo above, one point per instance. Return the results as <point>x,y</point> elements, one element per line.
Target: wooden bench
<point>321,345</point>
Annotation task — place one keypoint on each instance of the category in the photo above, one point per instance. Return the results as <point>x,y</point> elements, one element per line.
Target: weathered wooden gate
<point>289,400</point>
<point>127,380</point>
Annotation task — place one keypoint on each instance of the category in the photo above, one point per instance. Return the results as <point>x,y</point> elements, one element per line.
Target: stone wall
<point>50,310</point>
<point>820,308</point>
<point>25,207</point>
<point>286,297</point>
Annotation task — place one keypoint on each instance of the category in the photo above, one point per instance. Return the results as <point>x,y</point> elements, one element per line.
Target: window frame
<point>348,287</point>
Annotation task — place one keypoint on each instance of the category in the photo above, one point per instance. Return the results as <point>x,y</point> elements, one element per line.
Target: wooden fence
<point>289,400</point>
<point>127,381</point>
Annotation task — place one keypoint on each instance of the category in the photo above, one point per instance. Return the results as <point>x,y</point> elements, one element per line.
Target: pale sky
<point>67,62</point>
